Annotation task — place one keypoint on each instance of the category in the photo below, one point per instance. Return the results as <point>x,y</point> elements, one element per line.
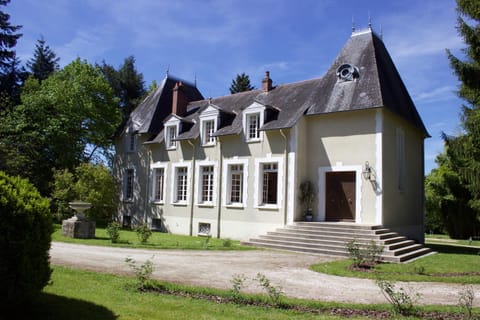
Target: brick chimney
<point>179,100</point>
<point>267,82</point>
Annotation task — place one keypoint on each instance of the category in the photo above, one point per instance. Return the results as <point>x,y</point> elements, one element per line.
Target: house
<point>231,166</point>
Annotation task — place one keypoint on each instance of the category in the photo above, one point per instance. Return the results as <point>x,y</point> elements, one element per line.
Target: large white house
<point>231,166</point>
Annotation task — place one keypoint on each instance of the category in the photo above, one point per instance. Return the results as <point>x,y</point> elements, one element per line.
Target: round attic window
<point>347,72</point>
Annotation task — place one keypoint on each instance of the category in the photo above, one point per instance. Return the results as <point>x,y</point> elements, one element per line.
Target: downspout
<point>192,188</point>
<point>219,190</point>
<point>285,184</point>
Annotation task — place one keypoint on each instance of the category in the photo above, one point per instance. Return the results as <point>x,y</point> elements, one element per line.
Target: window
<point>253,126</point>
<point>131,142</point>
<point>181,175</point>
<point>157,224</point>
<point>204,229</point>
<point>270,183</point>
<point>158,184</point>
<point>401,159</point>
<point>207,132</point>
<point>236,183</point>
<point>207,184</point>
<point>129,181</point>
<point>171,135</point>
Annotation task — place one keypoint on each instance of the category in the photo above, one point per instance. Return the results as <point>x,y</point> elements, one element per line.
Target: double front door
<point>340,196</point>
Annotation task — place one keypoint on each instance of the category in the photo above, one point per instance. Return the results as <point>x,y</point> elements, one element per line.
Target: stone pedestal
<point>78,228</point>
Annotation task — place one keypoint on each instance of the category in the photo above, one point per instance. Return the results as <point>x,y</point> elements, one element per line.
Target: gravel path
<point>216,269</point>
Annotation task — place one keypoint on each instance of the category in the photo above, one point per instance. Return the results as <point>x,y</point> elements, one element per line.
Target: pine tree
<point>460,198</point>
<point>241,83</point>
<point>10,71</point>
<point>44,61</point>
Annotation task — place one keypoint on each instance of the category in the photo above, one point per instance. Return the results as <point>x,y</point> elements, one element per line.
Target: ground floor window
<point>207,184</point>
<point>181,175</point>
<point>158,184</point>
<point>129,184</point>
<point>269,183</point>
<point>236,183</point>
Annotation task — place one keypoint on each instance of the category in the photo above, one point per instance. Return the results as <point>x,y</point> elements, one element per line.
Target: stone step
<point>331,239</point>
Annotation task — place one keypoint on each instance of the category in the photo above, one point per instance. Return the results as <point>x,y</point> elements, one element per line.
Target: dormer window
<point>253,120</point>
<point>347,72</point>
<point>170,136</point>
<point>253,126</point>
<point>208,129</point>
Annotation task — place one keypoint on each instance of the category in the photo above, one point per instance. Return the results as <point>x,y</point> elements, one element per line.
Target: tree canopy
<point>66,119</point>
<point>44,61</point>
<point>241,83</point>
<point>127,84</point>
<point>454,188</point>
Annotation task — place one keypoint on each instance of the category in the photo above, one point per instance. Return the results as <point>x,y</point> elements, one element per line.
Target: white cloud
<point>435,94</point>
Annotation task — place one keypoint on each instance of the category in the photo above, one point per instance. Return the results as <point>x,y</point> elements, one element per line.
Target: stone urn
<point>79,226</point>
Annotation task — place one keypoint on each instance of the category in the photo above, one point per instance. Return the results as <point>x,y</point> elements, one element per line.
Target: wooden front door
<point>340,196</point>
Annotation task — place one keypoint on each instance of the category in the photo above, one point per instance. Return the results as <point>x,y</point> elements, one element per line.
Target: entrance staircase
<point>330,238</point>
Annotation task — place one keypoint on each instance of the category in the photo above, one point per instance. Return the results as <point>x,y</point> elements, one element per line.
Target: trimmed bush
<point>25,236</point>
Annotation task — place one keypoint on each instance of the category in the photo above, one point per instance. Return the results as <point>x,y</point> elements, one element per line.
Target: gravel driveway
<point>216,269</point>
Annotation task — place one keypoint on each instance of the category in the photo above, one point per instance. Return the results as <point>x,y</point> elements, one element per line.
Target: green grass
<point>452,264</point>
<point>445,239</point>
<point>75,294</point>
<point>158,240</point>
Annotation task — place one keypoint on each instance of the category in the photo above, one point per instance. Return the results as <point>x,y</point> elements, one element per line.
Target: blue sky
<point>213,40</point>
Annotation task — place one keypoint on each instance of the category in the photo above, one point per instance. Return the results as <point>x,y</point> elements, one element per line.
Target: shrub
<point>25,236</point>
<point>275,293</point>
<point>143,233</point>
<point>113,230</point>
<point>465,301</point>
<point>143,272</point>
<point>238,281</point>
<point>402,301</point>
<point>363,257</point>
<point>227,243</point>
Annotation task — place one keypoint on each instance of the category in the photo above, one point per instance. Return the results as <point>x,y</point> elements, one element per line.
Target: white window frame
<point>207,138</point>
<point>258,189</point>
<point>125,197</point>
<point>226,192</point>
<point>199,185</point>
<point>253,110</point>
<point>153,183</point>
<point>174,183</point>
<point>131,142</point>
<point>170,143</point>
<point>210,113</point>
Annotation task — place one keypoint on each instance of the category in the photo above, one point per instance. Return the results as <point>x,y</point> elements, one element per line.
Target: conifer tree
<point>44,61</point>
<point>241,83</point>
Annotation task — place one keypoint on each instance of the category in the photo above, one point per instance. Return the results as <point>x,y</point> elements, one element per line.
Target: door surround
<point>321,190</point>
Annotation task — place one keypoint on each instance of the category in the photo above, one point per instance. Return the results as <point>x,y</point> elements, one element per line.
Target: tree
<point>127,84</point>
<point>67,119</point>
<point>10,72</point>
<point>455,186</point>
<point>25,235</point>
<point>44,61</point>
<point>241,83</point>
<point>89,182</point>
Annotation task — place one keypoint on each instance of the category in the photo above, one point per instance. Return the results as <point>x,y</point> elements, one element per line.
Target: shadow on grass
<point>445,248</point>
<point>50,306</point>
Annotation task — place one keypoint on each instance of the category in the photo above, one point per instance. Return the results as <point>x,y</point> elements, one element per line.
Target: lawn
<point>158,240</point>
<point>76,294</point>
<point>452,263</point>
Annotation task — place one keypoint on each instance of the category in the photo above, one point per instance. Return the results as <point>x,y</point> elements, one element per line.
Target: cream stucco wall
<point>403,201</point>
<point>342,142</point>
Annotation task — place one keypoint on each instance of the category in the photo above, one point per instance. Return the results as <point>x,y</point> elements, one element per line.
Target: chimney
<point>267,82</point>
<point>179,100</point>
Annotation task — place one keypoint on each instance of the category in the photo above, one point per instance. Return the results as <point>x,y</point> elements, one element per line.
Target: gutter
<point>192,186</point>
<point>285,185</point>
<point>219,190</point>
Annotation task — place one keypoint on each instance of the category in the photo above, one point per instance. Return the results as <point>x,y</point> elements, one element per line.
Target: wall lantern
<point>367,172</point>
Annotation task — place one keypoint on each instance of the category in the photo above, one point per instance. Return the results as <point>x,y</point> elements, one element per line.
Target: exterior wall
<point>342,142</point>
<point>404,194</point>
<point>137,160</point>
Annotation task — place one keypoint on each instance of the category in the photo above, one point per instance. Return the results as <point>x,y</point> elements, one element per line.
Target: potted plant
<point>307,196</point>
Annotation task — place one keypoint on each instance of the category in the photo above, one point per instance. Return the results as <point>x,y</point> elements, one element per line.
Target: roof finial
<point>369,21</point>
<point>195,79</point>
<point>353,25</point>
<point>168,70</point>
<point>381,32</point>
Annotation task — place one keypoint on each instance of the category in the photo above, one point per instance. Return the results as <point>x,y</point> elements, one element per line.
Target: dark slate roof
<point>149,115</point>
<point>379,83</point>
<point>378,86</point>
